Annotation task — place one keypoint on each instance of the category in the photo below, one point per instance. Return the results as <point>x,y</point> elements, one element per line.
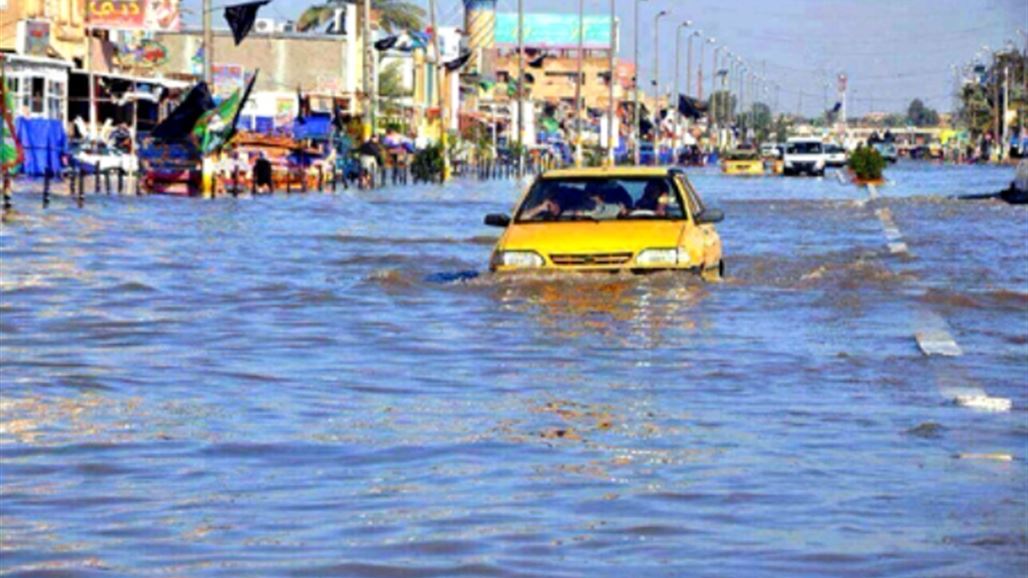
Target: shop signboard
<point>33,37</point>
<point>139,15</point>
<point>227,78</point>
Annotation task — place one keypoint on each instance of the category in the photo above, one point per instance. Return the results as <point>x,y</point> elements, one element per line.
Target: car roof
<point>607,172</point>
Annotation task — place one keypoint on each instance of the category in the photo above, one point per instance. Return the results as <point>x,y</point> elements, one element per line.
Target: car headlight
<point>663,257</point>
<point>517,259</point>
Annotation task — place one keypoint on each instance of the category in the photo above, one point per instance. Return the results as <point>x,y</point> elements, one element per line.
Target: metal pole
<point>208,42</point>
<point>5,183</point>
<point>678,83</point>
<point>521,82</point>
<point>1006,103</point>
<point>612,123</point>
<point>713,94</point>
<point>440,72</point>
<point>635,87</point>
<point>369,113</point>
<point>578,86</point>
<point>656,86</point>
<point>688,67</point>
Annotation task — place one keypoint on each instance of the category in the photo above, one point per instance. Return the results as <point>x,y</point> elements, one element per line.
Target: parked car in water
<point>804,155</point>
<point>93,155</point>
<point>636,219</point>
<point>835,155</point>
<point>771,150</point>
<point>887,150</point>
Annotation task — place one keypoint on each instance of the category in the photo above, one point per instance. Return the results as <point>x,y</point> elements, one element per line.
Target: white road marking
<point>937,342</point>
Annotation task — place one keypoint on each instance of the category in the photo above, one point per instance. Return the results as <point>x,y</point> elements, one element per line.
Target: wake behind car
<point>611,219</point>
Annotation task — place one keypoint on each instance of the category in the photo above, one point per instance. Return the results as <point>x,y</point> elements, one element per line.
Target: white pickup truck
<point>804,155</point>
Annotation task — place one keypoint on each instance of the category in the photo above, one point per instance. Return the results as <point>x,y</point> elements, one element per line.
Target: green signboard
<point>553,30</point>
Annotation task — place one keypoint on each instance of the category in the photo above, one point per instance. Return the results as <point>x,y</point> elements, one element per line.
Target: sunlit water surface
<point>331,385</point>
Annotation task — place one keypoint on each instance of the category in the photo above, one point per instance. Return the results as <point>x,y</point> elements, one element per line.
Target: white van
<point>804,155</point>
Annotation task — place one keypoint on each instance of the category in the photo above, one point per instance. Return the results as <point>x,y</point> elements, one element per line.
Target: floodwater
<point>329,385</point>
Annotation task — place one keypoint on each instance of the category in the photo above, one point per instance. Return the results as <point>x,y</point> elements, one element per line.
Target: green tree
<point>920,115</point>
<point>395,14</point>
<point>723,103</point>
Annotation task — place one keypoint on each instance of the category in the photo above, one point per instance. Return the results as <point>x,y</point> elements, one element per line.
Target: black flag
<point>240,18</point>
<point>690,107</point>
<point>537,62</point>
<point>386,43</point>
<point>179,124</point>
<point>458,62</point>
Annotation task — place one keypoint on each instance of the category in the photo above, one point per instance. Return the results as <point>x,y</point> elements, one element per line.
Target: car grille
<point>590,259</point>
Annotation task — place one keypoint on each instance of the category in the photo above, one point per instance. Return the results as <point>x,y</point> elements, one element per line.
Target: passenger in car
<point>655,199</point>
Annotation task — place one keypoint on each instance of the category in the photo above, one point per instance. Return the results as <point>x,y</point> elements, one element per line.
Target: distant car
<point>804,155</point>
<point>887,150</point>
<point>89,156</point>
<point>835,155</point>
<point>638,219</point>
<point>771,150</point>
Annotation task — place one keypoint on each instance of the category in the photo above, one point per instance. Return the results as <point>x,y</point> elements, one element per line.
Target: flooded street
<point>333,385</point>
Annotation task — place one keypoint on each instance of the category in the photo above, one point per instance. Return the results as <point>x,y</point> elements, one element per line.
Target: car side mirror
<point>710,216</point>
<point>497,220</point>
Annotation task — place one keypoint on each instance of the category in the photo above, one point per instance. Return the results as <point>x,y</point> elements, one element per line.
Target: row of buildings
<point>140,55</point>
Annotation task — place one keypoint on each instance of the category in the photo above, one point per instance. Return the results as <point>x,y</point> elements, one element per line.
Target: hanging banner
<point>227,79</point>
<point>33,37</point>
<point>148,15</point>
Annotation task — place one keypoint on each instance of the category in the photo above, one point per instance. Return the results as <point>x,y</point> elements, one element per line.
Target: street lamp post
<point>678,67</point>
<point>578,86</point>
<point>521,84</point>
<point>656,84</point>
<point>612,123</point>
<point>635,87</point>
<point>688,67</point>
<point>713,94</point>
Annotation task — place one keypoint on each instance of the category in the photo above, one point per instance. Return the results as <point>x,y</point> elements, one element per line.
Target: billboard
<point>140,15</point>
<point>553,30</point>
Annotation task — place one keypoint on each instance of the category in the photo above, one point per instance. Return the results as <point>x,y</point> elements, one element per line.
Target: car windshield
<point>601,199</point>
<point>804,148</point>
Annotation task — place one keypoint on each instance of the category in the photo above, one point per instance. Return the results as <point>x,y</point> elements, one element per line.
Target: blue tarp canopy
<point>317,126</point>
<point>44,141</point>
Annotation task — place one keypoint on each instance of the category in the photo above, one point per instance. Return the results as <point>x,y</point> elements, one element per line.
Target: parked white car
<point>89,155</point>
<point>835,155</point>
<point>804,155</point>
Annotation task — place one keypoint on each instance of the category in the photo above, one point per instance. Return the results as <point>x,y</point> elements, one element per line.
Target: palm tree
<point>395,14</point>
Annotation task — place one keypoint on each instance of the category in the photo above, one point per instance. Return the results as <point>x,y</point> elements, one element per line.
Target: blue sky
<point>892,50</point>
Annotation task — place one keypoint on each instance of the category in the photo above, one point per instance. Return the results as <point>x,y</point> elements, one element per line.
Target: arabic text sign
<point>553,30</point>
<point>149,15</point>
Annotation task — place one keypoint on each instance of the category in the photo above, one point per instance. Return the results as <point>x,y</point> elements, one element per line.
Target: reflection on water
<point>207,387</point>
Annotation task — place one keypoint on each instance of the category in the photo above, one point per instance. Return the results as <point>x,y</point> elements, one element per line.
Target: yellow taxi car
<point>610,219</point>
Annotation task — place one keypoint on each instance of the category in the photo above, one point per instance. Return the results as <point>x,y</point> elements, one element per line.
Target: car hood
<point>592,237</point>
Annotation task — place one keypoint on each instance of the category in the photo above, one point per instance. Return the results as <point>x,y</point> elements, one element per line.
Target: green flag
<point>217,126</point>
<point>10,149</point>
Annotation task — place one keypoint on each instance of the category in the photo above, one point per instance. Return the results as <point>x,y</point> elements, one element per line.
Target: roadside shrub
<point>428,164</point>
<point>867,164</point>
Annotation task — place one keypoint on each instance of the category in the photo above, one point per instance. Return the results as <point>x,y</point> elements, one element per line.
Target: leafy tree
<point>395,14</point>
<point>920,115</point>
<point>723,103</point>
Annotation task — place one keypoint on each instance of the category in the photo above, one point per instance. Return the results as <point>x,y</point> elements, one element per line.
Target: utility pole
<point>5,181</point>
<point>613,124</point>
<point>521,84</point>
<point>714,116</point>
<point>89,71</point>
<point>369,113</point>
<point>578,86</point>
<point>441,81</point>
